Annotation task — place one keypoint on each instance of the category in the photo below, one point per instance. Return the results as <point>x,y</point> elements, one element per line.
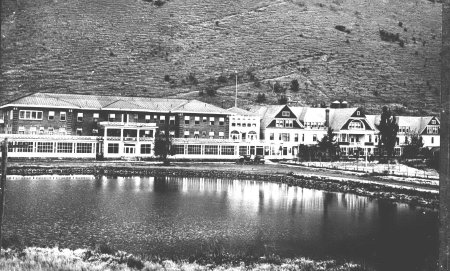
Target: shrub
<point>282,100</point>
<point>388,36</point>
<point>222,79</point>
<point>159,3</point>
<point>400,24</point>
<point>192,79</point>
<point>260,98</point>
<point>277,87</point>
<point>211,91</point>
<point>257,83</point>
<point>167,78</point>
<point>402,43</point>
<point>342,28</point>
<point>295,86</point>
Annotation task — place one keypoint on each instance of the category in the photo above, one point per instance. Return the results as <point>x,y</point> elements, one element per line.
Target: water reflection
<point>171,215</point>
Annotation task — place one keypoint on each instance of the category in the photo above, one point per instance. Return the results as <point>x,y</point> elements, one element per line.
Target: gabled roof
<point>97,102</point>
<point>340,116</point>
<point>417,124</point>
<point>242,112</point>
<point>267,113</point>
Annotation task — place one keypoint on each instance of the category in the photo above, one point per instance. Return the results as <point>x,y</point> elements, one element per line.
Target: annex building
<point>89,126</point>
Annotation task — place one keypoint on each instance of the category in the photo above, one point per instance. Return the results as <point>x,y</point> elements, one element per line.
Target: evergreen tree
<point>163,146</point>
<point>329,145</point>
<point>295,86</point>
<point>388,128</point>
<point>413,146</point>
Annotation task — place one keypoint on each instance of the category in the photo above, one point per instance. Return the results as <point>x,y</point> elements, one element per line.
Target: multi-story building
<point>244,125</point>
<point>124,126</point>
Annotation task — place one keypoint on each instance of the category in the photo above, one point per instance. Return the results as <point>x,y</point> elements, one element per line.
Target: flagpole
<point>235,100</point>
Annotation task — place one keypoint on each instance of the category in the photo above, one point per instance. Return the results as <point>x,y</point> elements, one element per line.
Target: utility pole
<point>235,100</point>
<point>4,148</point>
<point>444,167</point>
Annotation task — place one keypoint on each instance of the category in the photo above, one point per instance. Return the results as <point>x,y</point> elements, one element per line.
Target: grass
<point>128,47</point>
<point>35,258</point>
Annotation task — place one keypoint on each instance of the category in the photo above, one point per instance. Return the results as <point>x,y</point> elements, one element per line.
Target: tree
<point>295,86</point>
<point>260,98</point>
<point>163,146</point>
<point>277,87</point>
<point>388,128</point>
<point>413,146</point>
<point>329,145</point>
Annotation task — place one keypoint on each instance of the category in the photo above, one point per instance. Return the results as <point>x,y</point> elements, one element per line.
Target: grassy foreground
<point>35,258</point>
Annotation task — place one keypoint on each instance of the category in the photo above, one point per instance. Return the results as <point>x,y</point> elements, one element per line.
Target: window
<point>155,117</point>
<point>11,115</point>
<point>21,129</point>
<point>63,147</point>
<point>227,150</point>
<point>179,149</point>
<point>197,120</point>
<point>286,114</point>
<point>29,115</point>
<point>358,113</point>
<point>194,149</point>
<point>113,148</point>
<point>222,122</point>
<point>314,137</point>
<point>95,131</point>
<point>96,116</point>
<point>41,130</point>
<point>45,147</point>
<point>284,137</point>
<point>79,131</point>
<point>433,130</point>
<point>50,130</point>
<point>186,134</point>
<point>203,134</point>
<point>233,124</point>
<point>221,135</point>
<point>162,119</point>
<point>33,130</point>
<point>296,137</point>
<point>433,122</point>
<point>211,149</point>
<point>172,120</point>
<point>62,116</point>
<point>205,119</point>
<point>62,131</point>
<point>27,147</point>
<point>84,147</point>
<point>370,138</point>
<point>432,140</point>
<point>80,117</point>
<point>51,115</point>
<point>271,136</point>
<point>211,135</point>
<point>355,125</point>
<point>186,119</point>
<point>146,148</point>
<point>211,120</point>
<point>242,150</point>
<point>196,134</point>
<point>147,118</point>
<point>111,117</point>
<point>303,137</point>
<point>172,134</point>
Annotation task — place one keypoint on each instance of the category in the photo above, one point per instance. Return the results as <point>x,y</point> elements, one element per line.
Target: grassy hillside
<point>182,48</point>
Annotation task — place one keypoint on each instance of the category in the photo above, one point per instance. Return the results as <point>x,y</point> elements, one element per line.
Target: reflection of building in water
<point>352,202</point>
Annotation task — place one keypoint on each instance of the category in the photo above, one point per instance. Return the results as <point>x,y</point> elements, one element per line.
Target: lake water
<point>185,216</point>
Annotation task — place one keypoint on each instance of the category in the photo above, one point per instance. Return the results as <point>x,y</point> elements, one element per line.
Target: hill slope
<point>133,47</point>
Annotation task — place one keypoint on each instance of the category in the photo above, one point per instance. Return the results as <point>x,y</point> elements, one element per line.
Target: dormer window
<point>358,113</point>
<point>286,114</point>
<point>433,122</point>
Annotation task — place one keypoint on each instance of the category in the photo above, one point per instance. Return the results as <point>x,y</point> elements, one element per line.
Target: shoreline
<point>413,194</point>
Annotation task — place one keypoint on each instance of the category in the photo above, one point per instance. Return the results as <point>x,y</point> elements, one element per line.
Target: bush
<point>192,79</point>
<point>388,36</point>
<point>260,98</point>
<point>222,79</point>
<point>282,100</point>
<point>342,28</point>
<point>277,87</point>
<point>295,86</point>
<point>167,78</point>
<point>211,91</point>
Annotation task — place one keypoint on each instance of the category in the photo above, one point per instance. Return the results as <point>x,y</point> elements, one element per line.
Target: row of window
<point>187,120</point>
<point>287,137</point>
<point>243,124</point>
<point>58,147</point>
<point>196,134</point>
<point>129,148</point>
<point>207,149</point>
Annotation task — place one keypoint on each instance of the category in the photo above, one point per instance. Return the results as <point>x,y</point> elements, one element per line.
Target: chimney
<point>327,117</point>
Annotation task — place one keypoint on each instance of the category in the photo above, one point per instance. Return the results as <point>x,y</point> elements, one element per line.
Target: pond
<point>172,216</point>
